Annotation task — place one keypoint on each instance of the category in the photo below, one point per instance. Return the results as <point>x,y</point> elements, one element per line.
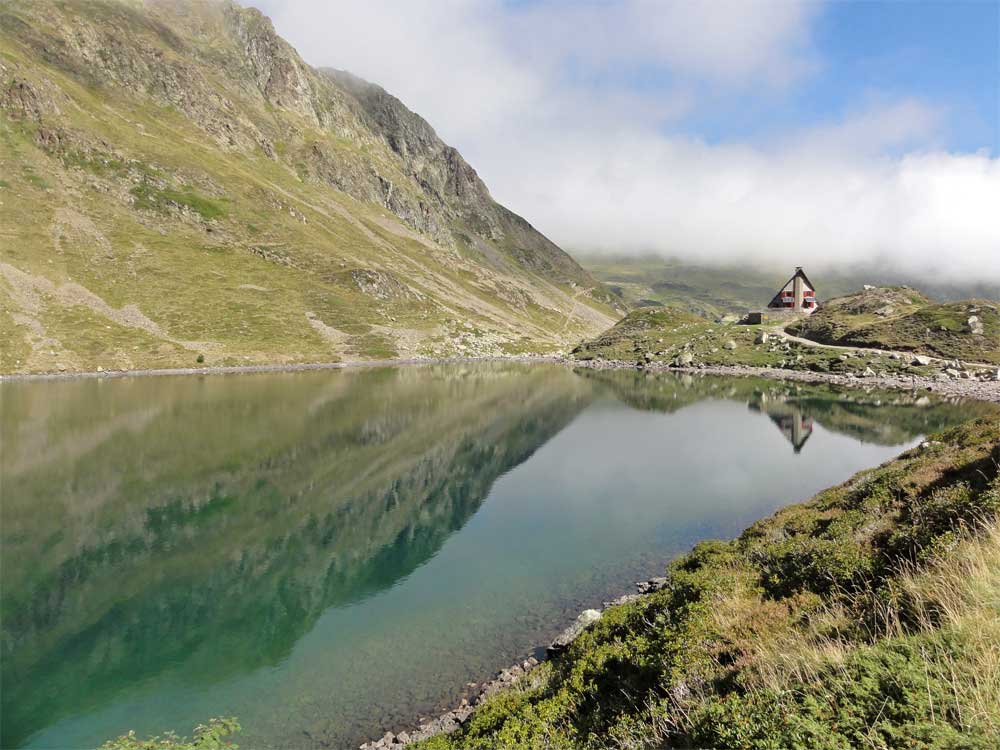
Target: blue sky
<point>944,53</point>
<point>782,131</point>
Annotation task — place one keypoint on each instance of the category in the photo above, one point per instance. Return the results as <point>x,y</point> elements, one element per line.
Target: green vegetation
<point>903,319</point>
<point>865,617</point>
<point>160,199</point>
<point>206,737</point>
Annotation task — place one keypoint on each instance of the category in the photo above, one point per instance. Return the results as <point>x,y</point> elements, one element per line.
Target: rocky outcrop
<point>562,641</point>
<point>450,186</point>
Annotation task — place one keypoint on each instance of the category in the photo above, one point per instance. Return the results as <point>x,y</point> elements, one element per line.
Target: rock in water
<point>587,618</point>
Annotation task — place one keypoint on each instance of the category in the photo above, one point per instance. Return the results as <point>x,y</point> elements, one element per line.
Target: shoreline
<point>981,390</point>
<point>289,367</point>
<point>509,678</point>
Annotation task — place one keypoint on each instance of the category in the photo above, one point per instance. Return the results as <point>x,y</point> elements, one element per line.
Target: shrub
<point>206,737</point>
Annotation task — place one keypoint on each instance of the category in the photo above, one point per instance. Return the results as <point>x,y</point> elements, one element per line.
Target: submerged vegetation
<point>866,617</point>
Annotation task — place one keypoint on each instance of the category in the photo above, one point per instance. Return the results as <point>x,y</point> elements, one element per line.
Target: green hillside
<point>902,319</point>
<point>179,186</point>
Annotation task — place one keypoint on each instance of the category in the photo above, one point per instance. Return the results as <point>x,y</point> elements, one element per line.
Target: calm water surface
<point>328,555</point>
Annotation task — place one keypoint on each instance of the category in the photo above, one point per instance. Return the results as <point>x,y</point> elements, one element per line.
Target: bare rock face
<point>379,284</point>
<point>562,641</point>
<point>279,73</point>
<point>26,100</point>
<point>975,325</point>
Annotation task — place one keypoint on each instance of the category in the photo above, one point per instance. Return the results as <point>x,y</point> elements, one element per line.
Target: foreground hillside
<point>178,186</point>
<point>902,319</point>
<point>868,616</point>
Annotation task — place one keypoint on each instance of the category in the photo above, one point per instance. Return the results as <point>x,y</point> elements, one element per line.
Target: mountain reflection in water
<point>164,532</point>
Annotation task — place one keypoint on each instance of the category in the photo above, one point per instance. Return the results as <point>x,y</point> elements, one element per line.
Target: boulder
<point>653,584</point>
<point>762,338</point>
<point>975,325</point>
<point>920,360</point>
<point>730,345</point>
<point>587,618</point>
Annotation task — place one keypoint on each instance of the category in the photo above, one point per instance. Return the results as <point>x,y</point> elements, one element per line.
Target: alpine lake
<point>328,555</point>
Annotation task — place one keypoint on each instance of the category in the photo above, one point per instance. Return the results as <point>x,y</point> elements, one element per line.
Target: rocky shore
<point>975,388</point>
<point>299,367</point>
<point>516,675</point>
<point>984,385</point>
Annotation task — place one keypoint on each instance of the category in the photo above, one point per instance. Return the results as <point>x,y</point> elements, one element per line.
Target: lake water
<point>327,555</point>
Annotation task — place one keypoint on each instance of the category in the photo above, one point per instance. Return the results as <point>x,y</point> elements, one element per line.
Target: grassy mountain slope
<point>903,319</point>
<point>177,182</point>
<point>865,617</point>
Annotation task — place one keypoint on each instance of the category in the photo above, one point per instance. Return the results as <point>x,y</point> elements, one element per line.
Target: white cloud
<point>542,101</point>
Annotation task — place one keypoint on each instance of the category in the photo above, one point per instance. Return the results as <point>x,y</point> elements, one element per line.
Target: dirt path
<point>781,332</point>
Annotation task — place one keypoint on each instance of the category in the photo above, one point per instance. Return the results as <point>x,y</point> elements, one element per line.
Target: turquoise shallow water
<point>327,555</point>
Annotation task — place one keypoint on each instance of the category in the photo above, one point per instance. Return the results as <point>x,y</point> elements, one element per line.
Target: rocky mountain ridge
<point>192,121</point>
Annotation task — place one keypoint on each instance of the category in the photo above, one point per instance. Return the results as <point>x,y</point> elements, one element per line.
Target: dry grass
<point>956,592</point>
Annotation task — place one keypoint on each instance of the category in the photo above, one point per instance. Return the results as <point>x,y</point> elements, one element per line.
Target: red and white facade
<point>797,295</point>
